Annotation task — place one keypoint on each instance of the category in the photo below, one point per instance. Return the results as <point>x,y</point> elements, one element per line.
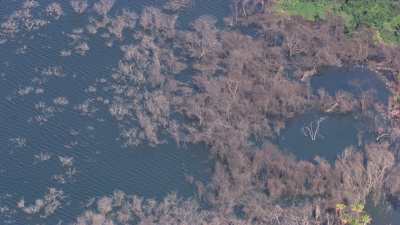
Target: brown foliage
<point>241,89</point>
<point>157,23</point>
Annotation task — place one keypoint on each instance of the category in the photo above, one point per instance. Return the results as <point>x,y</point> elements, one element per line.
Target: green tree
<point>383,16</point>
<point>353,214</point>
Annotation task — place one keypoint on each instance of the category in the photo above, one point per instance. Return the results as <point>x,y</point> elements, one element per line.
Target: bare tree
<point>79,6</point>
<point>313,129</point>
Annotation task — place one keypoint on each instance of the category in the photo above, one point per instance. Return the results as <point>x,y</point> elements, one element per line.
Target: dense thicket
<point>383,16</point>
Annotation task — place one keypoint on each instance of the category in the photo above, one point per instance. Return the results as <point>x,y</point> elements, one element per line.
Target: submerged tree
<point>79,6</point>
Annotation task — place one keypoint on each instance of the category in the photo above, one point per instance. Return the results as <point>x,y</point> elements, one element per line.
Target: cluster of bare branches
<point>178,5</point>
<point>54,10</point>
<point>312,130</point>
<point>22,20</point>
<point>45,206</point>
<point>79,6</point>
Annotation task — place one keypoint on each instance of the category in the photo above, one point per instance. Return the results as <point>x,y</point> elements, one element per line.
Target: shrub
<point>353,214</point>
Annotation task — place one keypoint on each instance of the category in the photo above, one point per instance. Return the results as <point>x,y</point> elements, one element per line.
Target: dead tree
<point>312,130</point>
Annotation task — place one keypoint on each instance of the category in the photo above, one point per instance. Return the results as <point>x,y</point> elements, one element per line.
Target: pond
<point>351,79</point>
<point>316,134</point>
<point>327,134</point>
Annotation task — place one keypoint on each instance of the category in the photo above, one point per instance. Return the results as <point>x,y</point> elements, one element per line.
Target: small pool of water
<point>353,80</point>
<point>306,139</point>
<point>327,135</point>
<point>383,214</point>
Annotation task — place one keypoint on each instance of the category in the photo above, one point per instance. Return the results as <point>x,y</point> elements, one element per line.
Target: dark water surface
<point>37,135</point>
<point>354,80</point>
<point>336,131</point>
<point>32,125</point>
<point>339,131</point>
<point>383,214</point>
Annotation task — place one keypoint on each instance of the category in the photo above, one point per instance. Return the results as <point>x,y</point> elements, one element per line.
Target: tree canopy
<point>383,16</point>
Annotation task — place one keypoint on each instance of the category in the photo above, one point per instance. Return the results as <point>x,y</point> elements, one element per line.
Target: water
<point>338,131</point>
<point>102,165</point>
<point>383,214</point>
<point>33,126</point>
<point>354,80</point>
<point>335,133</point>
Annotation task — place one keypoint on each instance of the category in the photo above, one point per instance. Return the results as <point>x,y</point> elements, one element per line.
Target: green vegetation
<point>381,15</point>
<point>310,10</point>
<point>353,215</point>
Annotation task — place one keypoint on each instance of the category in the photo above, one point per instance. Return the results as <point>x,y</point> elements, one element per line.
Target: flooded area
<point>320,135</point>
<point>122,112</point>
<point>383,214</point>
<point>327,134</point>
<point>47,145</point>
<point>57,132</point>
<point>355,80</point>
